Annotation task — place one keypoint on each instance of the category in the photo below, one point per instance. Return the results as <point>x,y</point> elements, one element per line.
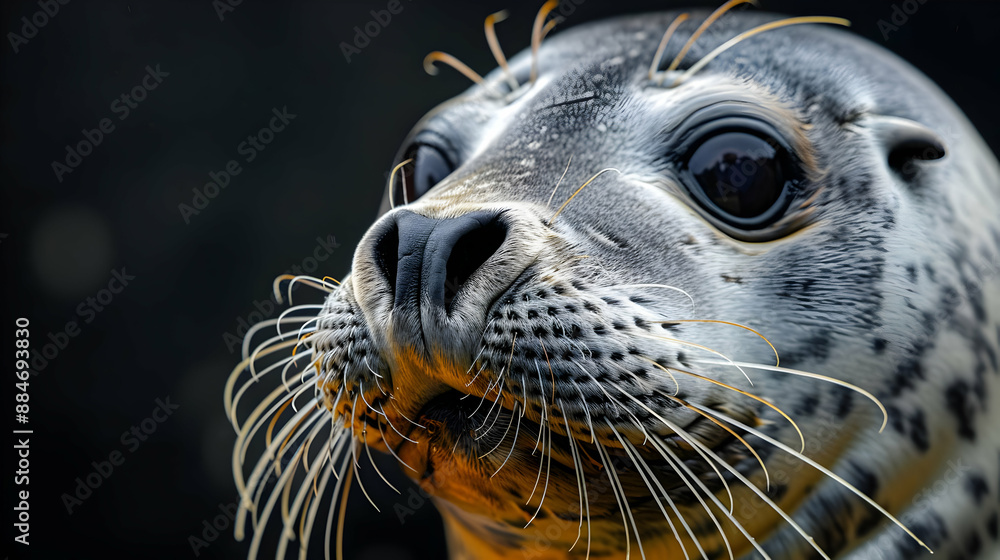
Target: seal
<point>665,286</point>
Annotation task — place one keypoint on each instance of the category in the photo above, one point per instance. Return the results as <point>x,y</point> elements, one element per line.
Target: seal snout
<point>438,274</point>
<point>428,261</point>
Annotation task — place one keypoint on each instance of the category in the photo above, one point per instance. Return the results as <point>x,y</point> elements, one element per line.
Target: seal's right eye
<point>741,178</point>
<point>427,167</point>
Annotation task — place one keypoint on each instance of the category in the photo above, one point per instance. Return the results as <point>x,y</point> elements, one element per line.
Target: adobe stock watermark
<point>223,7</point>
<point>121,106</point>
<point>364,34</point>
<point>249,149</point>
<point>900,15</point>
<point>44,352</point>
<point>212,528</point>
<point>31,25</point>
<point>131,440</point>
<point>265,309</point>
<point>941,487</point>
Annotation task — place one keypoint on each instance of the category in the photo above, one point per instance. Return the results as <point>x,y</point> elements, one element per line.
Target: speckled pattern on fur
<point>593,333</point>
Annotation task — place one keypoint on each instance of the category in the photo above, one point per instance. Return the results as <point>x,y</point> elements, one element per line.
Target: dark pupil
<point>428,168</point>
<point>739,173</point>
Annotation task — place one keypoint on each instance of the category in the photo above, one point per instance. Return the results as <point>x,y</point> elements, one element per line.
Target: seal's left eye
<point>428,167</point>
<point>741,178</point>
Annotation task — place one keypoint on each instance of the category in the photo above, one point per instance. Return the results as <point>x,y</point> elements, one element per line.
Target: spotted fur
<point>588,327</point>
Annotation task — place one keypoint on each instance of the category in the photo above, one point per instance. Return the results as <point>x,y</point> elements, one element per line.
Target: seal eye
<point>741,178</point>
<point>429,166</point>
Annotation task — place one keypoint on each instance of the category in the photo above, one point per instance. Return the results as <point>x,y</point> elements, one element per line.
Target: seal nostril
<point>386,255</point>
<point>469,254</point>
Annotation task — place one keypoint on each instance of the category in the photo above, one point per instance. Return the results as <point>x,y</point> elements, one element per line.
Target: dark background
<point>162,336</point>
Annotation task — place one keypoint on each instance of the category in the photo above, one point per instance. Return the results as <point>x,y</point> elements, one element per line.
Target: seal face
<point>618,312</point>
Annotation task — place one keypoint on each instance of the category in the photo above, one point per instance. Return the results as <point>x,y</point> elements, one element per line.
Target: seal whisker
<point>767,475</point>
<point>339,474</point>
<point>233,401</point>
<point>309,520</point>
<point>617,403</point>
<point>498,382</point>
<point>676,463</point>
<point>341,517</point>
<point>642,467</point>
<point>490,413</point>
<point>548,471</point>
<point>763,496</point>
<point>681,433</point>
<point>581,485</point>
<point>777,358</point>
<point>513,444</point>
<point>258,418</point>
<point>400,412</point>
<point>473,380</point>
<point>540,441</point>
<point>374,374</point>
<point>489,389</point>
<point>311,281</point>
<point>541,433</point>
<point>583,186</point>
<point>290,514</point>
<point>266,348</point>
<point>747,34</point>
<point>505,432</point>
<point>391,450</point>
<point>285,315</point>
<point>586,411</point>
<point>361,391</point>
<point>613,479</point>
<point>368,452</point>
<point>392,177</point>
<point>354,454</point>
<point>340,432</point>
<point>302,456</point>
<point>302,384</point>
<point>677,386</point>
<point>293,362</point>
<point>802,439</point>
<point>719,12</point>
<point>621,488</point>
<point>445,58</point>
<point>261,325</point>
<point>808,375</point>
<point>491,38</point>
<point>634,453</point>
<point>700,347</point>
<point>663,286</point>
<point>840,480</point>
<point>267,463</point>
<point>663,43</point>
<point>559,182</point>
<point>479,355</point>
<point>387,421</point>
<point>278,491</point>
<point>537,33</point>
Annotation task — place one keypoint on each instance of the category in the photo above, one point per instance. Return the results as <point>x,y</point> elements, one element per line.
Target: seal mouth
<point>479,429</point>
<point>449,408</point>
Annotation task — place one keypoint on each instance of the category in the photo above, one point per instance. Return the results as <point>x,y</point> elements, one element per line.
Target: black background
<point>323,176</point>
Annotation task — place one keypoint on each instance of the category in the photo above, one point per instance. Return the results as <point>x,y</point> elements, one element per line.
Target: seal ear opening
<point>905,143</point>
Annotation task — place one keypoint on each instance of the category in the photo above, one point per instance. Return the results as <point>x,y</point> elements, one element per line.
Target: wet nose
<point>428,261</point>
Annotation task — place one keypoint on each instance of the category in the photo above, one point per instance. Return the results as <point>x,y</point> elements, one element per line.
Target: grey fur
<point>892,285</point>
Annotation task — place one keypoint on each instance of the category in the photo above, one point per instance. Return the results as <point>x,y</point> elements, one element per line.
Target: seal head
<point>610,311</point>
